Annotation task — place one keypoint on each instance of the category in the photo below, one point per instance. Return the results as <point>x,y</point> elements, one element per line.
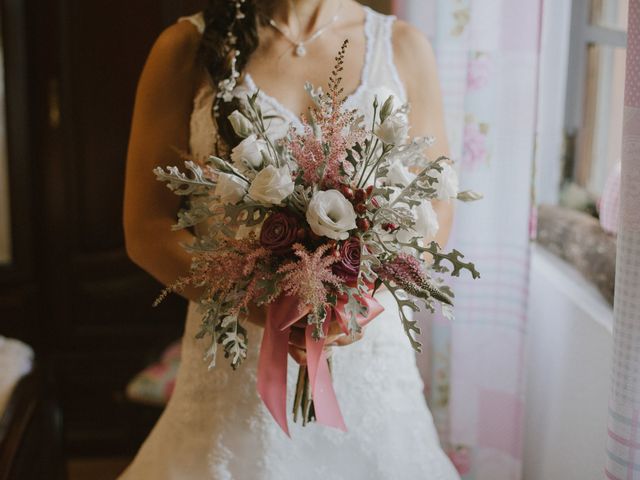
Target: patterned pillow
<point>154,385</point>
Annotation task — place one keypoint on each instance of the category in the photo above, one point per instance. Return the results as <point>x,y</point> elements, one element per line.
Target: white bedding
<point>16,360</point>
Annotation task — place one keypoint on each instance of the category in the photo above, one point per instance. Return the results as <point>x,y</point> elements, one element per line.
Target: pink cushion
<point>154,385</point>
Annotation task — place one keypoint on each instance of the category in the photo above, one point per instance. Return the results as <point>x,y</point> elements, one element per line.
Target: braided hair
<point>230,37</point>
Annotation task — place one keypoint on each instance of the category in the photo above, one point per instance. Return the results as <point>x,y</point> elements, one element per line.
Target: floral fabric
<point>487,53</point>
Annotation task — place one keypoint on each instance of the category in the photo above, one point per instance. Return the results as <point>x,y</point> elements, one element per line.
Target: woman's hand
<point>335,338</point>
<point>297,344</point>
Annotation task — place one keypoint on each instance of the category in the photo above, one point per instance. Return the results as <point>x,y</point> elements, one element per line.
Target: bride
<point>215,426</point>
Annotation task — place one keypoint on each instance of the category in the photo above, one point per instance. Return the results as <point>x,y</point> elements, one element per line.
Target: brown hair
<point>220,20</point>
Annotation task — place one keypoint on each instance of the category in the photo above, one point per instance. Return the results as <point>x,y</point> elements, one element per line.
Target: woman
<point>215,426</point>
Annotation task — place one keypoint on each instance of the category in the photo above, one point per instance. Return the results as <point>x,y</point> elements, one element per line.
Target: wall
<point>568,367</point>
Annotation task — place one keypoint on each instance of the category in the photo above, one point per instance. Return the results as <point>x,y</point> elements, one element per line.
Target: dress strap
<point>383,70</point>
<point>197,20</point>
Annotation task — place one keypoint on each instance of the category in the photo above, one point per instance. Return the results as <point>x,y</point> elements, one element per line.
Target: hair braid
<point>230,37</point>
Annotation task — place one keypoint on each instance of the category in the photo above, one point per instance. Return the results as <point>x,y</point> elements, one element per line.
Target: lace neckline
<point>286,112</point>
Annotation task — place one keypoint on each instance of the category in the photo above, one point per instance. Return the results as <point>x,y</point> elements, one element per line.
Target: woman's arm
<point>160,128</point>
<point>417,67</point>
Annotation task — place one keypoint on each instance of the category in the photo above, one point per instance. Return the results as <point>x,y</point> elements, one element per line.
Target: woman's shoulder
<point>175,52</point>
<point>413,55</point>
<point>172,62</point>
<point>409,40</point>
<point>181,39</point>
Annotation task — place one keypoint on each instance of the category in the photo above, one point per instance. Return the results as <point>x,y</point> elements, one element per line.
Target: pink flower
<point>279,232</point>
<point>348,267</point>
<point>406,272</point>
<point>475,145</point>
<point>310,276</point>
<point>478,72</point>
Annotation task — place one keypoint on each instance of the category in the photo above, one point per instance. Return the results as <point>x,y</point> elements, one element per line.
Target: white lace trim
<point>197,20</point>
<point>387,38</point>
<point>364,75</point>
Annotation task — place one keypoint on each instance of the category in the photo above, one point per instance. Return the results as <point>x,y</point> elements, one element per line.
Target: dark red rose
<point>361,195</point>
<point>363,224</point>
<point>279,231</point>
<point>348,267</point>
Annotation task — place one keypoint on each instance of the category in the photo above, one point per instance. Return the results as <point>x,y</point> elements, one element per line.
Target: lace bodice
<point>215,425</point>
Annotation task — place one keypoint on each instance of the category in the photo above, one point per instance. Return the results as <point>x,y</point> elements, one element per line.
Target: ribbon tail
<point>325,402</point>
<point>272,371</point>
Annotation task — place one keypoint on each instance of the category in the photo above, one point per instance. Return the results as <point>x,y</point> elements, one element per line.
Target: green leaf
<point>249,214</point>
<point>469,196</point>
<point>182,184</point>
<point>454,258</point>
<point>410,326</point>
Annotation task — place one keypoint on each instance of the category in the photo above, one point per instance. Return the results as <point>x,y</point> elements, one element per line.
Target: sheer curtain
<point>623,446</point>
<point>488,60</point>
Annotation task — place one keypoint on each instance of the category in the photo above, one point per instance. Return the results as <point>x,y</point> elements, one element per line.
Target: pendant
<point>300,50</point>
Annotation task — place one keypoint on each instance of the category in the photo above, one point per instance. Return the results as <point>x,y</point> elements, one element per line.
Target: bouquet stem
<point>303,402</point>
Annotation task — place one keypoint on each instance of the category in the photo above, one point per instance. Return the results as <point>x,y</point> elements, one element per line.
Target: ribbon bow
<point>282,314</point>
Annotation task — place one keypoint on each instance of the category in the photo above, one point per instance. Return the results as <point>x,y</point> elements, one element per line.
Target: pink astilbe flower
<point>227,268</point>
<point>321,152</point>
<point>309,277</point>
<point>407,273</point>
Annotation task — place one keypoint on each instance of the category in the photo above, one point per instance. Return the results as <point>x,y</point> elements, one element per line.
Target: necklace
<point>301,45</point>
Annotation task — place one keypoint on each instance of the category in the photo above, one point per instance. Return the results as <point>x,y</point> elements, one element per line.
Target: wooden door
<point>70,290</point>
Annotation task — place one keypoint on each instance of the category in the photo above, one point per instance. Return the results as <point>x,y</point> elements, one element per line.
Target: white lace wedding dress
<point>215,425</point>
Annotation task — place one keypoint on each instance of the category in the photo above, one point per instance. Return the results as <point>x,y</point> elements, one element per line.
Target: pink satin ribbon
<point>282,314</point>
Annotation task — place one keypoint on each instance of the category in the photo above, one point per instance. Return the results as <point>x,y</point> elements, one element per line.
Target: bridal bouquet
<point>311,226</point>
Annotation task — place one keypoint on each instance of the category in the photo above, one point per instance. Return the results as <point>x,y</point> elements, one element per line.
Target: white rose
<point>247,155</point>
<point>394,130</point>
<point>241,124</point>
<point>230,188</point>
<point>426,225</point>
<point>399,174</point>
<point>272,185</point>
<point>331,215</point>
<point>426,220</point>
<point>447,182</point>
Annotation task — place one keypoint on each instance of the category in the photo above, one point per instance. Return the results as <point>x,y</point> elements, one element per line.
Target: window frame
<point>583,34</point>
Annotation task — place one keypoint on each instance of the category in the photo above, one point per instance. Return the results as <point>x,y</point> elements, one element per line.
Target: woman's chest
<point>280,73</point>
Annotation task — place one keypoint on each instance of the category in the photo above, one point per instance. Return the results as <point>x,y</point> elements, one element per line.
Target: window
<point>595,91</point>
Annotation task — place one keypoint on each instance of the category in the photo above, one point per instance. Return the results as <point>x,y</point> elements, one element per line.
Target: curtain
<point>623,445</point>
<point>487,53</point>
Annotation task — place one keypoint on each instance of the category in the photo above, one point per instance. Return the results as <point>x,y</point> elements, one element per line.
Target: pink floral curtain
<point>488,60</point>
<point>623,445</point>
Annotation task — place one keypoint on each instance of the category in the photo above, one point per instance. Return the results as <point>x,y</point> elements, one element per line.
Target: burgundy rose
<point>279,232</point>
<point>348,267</point>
